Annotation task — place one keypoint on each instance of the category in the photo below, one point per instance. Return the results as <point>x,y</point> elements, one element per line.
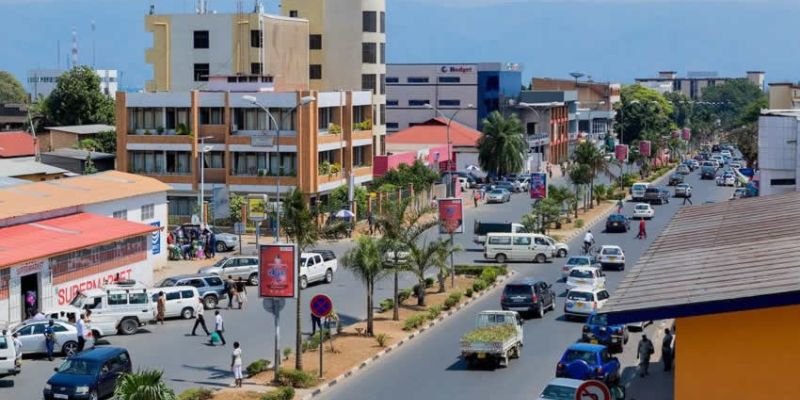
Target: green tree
<point>299,224</point>
<point>338,200</point>
<point>364,261</point>
<point>563,196</point>
<point>11,90</point>
<point>417,174</point>
<point>104,142</point>
<point>502,146</point>
<point>733,98</point>
<point>588,154</point>
<point>422,258</point>
<point>580,175</point>
<point>642,111</point>
<point>601,192</point>
<point>544,214</point>
<point>77,100</point>
<point>88,165</point>
<point>682,108</point>
<point>237,202</point>
<point>143,385</point>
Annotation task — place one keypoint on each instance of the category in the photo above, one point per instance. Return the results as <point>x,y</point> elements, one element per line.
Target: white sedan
<point>586,277</point>
<point>611,256</point>
<point>643,211</point>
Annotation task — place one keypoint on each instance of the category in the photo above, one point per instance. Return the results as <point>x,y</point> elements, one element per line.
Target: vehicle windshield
<point>580,296</point>
<point>79,367</point>
<point>167,283</point>
<point>578,261</point>
<point>639,186</point>
<point>581,273</point>
<point>642,206</point>
<point>78,301</point>
<point>556,392</point>
<point>612,251</point>
<point>3,342</point>
<point>573,355</point>
<point>517,290</point>
<point>496,192</point>
<point>221,262</point>
<point>598,319</point>
<point>616,217</point>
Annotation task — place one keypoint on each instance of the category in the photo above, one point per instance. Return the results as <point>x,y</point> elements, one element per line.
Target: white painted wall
<point>778,155</point>
<point>219,55</point>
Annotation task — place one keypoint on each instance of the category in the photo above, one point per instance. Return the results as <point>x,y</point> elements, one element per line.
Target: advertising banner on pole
<point>644,148</point>
<point>687,134</point>
<point>277,271</point>
<point>538,185</point>
<point>621,152</point>
<point>451,216</point>
<point>257,207</point>
<point>221,201</point>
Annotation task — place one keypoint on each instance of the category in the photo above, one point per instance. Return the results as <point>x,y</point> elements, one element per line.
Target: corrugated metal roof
<point>434,131</point>
<point>83,129</point>
<point>711,253</point>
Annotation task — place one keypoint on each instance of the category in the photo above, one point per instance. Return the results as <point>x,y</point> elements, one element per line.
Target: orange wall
<point>741,355</point>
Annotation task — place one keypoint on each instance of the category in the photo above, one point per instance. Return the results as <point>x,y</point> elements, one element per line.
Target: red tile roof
<point>16,144</point>
<point>434,131</point>
<point>36,240</point>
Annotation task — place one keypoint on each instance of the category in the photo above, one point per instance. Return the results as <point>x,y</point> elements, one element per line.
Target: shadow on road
<point>214,373</point>
<point>6,383</point>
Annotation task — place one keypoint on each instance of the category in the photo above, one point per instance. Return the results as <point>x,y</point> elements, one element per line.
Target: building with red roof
<point>433,133</point>
<point>17,144</point>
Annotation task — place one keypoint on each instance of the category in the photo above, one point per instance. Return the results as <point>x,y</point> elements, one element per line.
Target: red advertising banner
<point>687,134</point>
<point>451,216</point>
<point>644,148</point>
<point>621,152</point>
<point>277,271</point>
<point>538,185</point>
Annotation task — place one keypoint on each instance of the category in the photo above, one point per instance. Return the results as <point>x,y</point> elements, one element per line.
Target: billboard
<point>451,216</point>
<point>277,271</point>
<point>538,185</point>
<point>621,152</point>
<point>687,134</point>
<point>644,148</point>
<point>257,207</point>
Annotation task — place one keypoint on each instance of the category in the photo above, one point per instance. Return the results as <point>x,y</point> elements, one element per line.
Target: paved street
<point>431,365</point>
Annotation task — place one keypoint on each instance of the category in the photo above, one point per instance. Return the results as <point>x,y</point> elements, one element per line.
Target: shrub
<point>450,303</point>
<point>315,339</point>
<point>403,295</point>
<point>476,270</point>
<point>386,305</point>
<point>382,338</point>
<point>287,352</point>
<point>414,322</point>
<point>468,292</point>
<point>479,285</point>
<point>429,282</point>
<point>281,393</point>
<point>456,295</point>
<point>196,394</point>
<point>489,275</point>
<point>296,379</point>
<point>434,311</point>
<point>579,223</point>
<point>257,366</point>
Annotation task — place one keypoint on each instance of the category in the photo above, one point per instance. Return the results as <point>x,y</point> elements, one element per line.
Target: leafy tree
<point>299,224</point>
<point>237,202</point>
<point>544,214</point>
<point>682,108</point>
<point>421,258</point>
<point>338,200</point>
<point>143,385</point>
<point>417,174</point>
<point>88,165</point>
<point>77,100</point>
<point>601,192</point>
<point>364,261</point>
<point>579,174</point>
<point>745,138</point>
<point>502,147</point>
<point>590,155</point>
<point>11,90</point>
<point>734,98</point>
<point>642,111</point>
<point>104,142</point>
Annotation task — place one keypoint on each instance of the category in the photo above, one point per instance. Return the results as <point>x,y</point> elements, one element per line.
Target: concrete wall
<point>777,152</point>
<point>286,52</point>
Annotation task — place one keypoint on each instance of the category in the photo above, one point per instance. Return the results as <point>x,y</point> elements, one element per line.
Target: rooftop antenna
<point>94,61</point>
<point>74,48</point>
<point>58,53</point>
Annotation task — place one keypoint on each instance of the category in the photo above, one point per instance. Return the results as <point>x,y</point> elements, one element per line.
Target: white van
<point>503,247</point>
<point>638,190</point>
<point>180,301</point>
<point>118,308</point>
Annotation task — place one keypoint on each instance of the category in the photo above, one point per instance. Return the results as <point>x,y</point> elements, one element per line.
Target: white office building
<point>778,153</point>
<point>42,82</point>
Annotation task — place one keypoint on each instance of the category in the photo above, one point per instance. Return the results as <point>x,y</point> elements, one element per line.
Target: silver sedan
<point>31,334</point>
<point>498,196</point>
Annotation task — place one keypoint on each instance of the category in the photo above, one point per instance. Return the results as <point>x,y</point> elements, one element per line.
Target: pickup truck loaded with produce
<point>497,337</point>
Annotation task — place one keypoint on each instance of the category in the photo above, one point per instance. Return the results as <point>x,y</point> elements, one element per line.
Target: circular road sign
<point>592,390</point>
<point>321,306</point>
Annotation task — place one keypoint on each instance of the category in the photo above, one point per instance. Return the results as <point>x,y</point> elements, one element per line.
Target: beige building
<point>693,84</point>
<point>784,96</point>
<point>347,49</point>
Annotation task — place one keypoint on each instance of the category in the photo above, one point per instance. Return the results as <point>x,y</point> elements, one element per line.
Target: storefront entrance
<point>29,293</point>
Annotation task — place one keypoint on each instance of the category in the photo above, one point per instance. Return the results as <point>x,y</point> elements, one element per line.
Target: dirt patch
<point>587,217</point>
<point>239,394</point>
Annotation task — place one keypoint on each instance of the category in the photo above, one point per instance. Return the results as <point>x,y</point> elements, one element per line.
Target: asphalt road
<point>430,367</point>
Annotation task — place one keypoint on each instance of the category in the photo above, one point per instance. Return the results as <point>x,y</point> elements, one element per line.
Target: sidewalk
<point>659,384</point>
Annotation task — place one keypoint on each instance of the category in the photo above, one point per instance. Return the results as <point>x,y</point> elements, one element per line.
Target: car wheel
<point>128,326</point>
<point>553,303</point>
<point>187,313</point>
<point>221,246</point>
<point>253,279</point>
<point>540,259</point>
<point>622,267</point>
<point>329,276</point>
<point>540,311</point>
<point>93,395</point>
<point>500,258</point>
<point>303,282</point>
<point>562,253</point>
<point>210,302</point>
<point>69,348</point>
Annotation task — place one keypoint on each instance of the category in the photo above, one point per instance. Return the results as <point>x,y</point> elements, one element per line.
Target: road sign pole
<point>321,341</point>
<point>276,313</point>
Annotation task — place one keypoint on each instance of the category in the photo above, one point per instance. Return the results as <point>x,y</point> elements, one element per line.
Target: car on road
<point>561,249</point>
<point>586,361</point>
<point>524,183</point>
<point>245,267</point>
<point>528,296</point>
<point>617,223</point>
<point>611,256</point>
<point>577,261</point>
<point>683,169</point>
<point>726,179</point>
<point>317,267</point>
<point>507,185</point>
<point>675,179</point>
<point>656,195</point>
<point>596,330</point>
<point>735,165</point>
<point>503,247</point>
<point>498,337</point>
<point>210,287</point>
<point>683,190</point>
<point>643,211</point>
<point>9,363</point>
<point>481,229</point>
<point>560,389</point>
<point>179,301</point>
<point>31,334</point>
<point>693,164</point>
<point>586,276</point>
<point>708,172</point>
<point>225,241</point>
<point>498,195</point>
<point>584,300</point>
<point>89,375</point>
<point>638,190</point>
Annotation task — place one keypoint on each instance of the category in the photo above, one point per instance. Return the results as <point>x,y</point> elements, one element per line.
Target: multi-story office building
<point>693,83</point>
<point>549,120</point>
<point>595,104</point>
<point>778,152</point>
<point>784,96</point>
<point>347,42</point>
<point>321,145</point>
<point>472,90</point>
<point>41,82</point>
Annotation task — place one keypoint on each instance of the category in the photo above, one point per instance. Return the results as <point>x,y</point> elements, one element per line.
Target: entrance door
<point>29,293</point>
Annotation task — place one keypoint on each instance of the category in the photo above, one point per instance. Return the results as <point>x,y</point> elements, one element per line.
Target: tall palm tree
<point>580,175</point>
<point>299,224</point>
<point>502,147</point>
<point>365,262</point>
<point>590,155</point>
<point>422,258</point>
<point>143,385</point>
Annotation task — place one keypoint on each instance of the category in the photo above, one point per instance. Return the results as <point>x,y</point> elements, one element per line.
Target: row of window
<point>422,103</point>
<point>148,211</point>
<point>371,21</point>
<point>369,53</point>
<point>424,79</point>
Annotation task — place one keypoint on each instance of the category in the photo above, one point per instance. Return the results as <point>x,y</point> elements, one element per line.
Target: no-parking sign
<point>592,390</point>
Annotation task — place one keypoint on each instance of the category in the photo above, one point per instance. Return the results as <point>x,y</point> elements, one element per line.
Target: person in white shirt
<point>200,319</point>
<point>236,364</point>
<point>219,326</point>
<point>81,327</point>
<point>588,240</point>
<point>17,347</point>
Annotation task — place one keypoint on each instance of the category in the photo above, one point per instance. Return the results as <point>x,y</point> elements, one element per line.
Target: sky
<point>609,40</point>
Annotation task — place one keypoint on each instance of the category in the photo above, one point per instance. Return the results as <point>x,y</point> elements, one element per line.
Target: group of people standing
<point>191,243</point>
<point>646,350</point>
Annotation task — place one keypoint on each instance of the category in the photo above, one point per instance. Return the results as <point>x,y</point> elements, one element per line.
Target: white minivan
<point>503,247</point>
<point>180,301</point>
<point>638,190</point>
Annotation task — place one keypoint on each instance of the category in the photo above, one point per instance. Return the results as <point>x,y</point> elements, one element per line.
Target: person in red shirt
<point>642,230</point>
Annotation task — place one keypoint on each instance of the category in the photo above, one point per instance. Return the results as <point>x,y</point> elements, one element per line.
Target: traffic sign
<point>238,228</point>
<point>592,390</point>
<point>321,306</point>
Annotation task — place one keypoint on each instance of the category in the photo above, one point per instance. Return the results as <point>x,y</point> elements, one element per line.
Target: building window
<point>181,205</point>
<point>392,79</point>
<point>369,21</point>
<point>146,162</point>
<point>177,162</point>
<point>418,103</point>
<point>392,103</point>
<point>417,79</point>
<point>368,82</point>
<point>249,164</point>
<point>383,83</point>
<point>200,39</point>
<point>324,117</point>
<point>369,53</point>
<point>255,68</point>
<point>214,159</point>
<point>449,79</point>
<point>211,116</point>
<point>255,38</point>
<point>382,113</point>
<point>315,71</point>
<point>383,22</point>
<point>782,182</point>
<point>293,13</point>
<point>392,125</point>
<point>493,83</point>
<point>201,72</point>
<point>255,119</point>
<point>449,103</point>
<point>148,211</point>
<point>361,156</point>
<point>383,53</point>
<point>315,42</point>
<point>121,214</point>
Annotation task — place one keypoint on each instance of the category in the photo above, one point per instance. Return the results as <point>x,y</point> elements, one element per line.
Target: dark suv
<point>91,374</point>
<point>654,195</point>
<point>210,287</point>
<point>528,295</point>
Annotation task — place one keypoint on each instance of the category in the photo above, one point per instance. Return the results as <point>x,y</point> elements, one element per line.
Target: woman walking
<point>241,292</point>
<point>236,365</point>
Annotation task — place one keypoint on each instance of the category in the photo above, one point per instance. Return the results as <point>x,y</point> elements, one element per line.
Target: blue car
<point>597,331</point>
<point>589,361</point>
<point>89,375</point>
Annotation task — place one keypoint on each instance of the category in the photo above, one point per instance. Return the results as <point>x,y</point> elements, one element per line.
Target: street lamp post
<point>451,191</point>
<point>201,199</point>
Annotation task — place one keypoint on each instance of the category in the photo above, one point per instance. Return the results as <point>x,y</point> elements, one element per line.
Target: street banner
<point>538,185</point>
<point>277,271</point>
<point>155,238</point>
<point>221,202</point>
<point>621,152</point>
<point>687,134</point>
<point>644,148</point>
<point>451,216</point>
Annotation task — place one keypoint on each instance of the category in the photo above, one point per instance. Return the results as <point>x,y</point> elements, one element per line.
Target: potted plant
<point>334,129</point>
<point>182,129</point>
<point>325,168</point>
<point>336,168</point>
<point>140,131</point>
<point>148,132</point>
<point>160,130</point>
<point>262,172</point>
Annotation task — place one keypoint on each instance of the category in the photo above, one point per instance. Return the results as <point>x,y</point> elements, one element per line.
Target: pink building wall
<point>381,164</point>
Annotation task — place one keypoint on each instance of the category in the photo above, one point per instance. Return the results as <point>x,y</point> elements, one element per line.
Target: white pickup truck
<point>497,337</point>
<point>319,265</point>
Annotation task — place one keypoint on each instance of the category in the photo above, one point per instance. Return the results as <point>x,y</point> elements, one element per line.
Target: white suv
<point>611,256</point>
<point>9,363</point>
<point>586,276</point>
<point>582,301</point>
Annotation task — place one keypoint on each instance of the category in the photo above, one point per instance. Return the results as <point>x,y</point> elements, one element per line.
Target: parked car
<point>179,301</point>
<point>315,268</point>
<point>693,164</point>
<point>577,261</point>
<point>676,178</point>
<point>683,190</point>
<point>726,179</point>
<point>596,330</point>
<point>210,287</point>
<point>245,267</point>
<point>503,247</point>
<point>655,195</point>
<point>9,363</point>
<point>584,300</point>
<point>225,241</point>
<point>528,296</point>
<point>90,375</point>
<point>560,389</point>
<point>586,276</point>
<point>524,183</point>
<point>498,196</point>
<point>589,361</point>
<point>498,350</point>
<point>683,169</point>
<point>617,223</point>
<point>643,211</point>
<point>611,256</point>
<point>562,249</point>
<point>31,334</point>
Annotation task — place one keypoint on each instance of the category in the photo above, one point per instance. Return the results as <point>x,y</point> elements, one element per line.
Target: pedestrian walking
<point>315,322</point>
<point>620,204</point>
<point>371,222</point>
<point>666,350</point>
<point>643,353</point>
<point>17,348</point>
<point>687,197</point>
<point>219,326</point>
<point>476,196</point>
<point>236,365</point>
<point>161,307</point>
<point>212,243</point>
<point>642,230</point>
<point>230,287</point>
<point>81,332</point>
<point>241,292</point>
<point>49,339</point>
<point>199,318</point>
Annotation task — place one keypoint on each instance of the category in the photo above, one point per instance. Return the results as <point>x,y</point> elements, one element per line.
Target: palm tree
<point>579,174</point>
<point>299,224</point>
<point>365,262</point>
<point>502,147</point>
<point>421,258</point>
<point>143,385</point>
<point>601,192</point>
<point>590,155</point>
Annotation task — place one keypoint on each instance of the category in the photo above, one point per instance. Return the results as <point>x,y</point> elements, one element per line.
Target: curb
<point>355,370</point>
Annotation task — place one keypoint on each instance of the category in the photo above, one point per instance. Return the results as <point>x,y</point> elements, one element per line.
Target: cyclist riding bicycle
<point>588,241</point>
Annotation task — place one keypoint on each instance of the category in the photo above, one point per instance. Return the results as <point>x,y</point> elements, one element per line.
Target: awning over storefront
<point>46,238</point>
